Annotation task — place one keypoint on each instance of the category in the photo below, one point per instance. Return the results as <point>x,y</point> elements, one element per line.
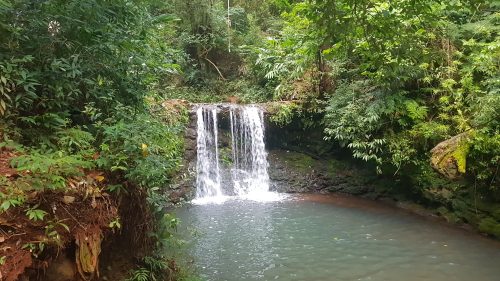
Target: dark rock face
<point>294,172</point>
<point>191,132</point>
<point>182,186</point>
<point>190,140</point>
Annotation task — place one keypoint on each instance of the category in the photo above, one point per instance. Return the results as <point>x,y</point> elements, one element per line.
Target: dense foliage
<point>83,86</point>
<point>397,77</point>
<point>79,110</point>
<point>74,78</point>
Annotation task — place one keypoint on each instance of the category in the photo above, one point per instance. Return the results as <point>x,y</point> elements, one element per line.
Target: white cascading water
<point>249,171</point>
<point>207,165</point>
<point>249,176</point>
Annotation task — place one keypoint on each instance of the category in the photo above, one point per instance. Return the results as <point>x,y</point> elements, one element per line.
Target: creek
<point>323,237</point>
<point>238,230</point>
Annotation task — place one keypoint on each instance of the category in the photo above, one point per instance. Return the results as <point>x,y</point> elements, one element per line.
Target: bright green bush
<point>283,114</point>
<point>143,149</point>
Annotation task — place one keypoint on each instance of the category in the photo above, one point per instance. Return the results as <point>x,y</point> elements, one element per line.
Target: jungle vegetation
<point>95,85</point>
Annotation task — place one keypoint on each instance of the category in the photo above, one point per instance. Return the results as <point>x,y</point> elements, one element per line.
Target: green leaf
<point>5,205</point>
<point>35,214</point>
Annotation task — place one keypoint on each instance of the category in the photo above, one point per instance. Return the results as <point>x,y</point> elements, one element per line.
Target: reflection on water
<point>331,238</point>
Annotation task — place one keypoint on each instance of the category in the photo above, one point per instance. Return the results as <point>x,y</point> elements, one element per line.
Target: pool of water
<point>321,237</point>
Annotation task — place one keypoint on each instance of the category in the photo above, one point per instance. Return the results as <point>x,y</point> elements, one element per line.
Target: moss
<point>442,195</point>
<point>460,156</point>
<point>226,156</point>
<point>334,166</point>
<point>300,161</point>
<point>496,213</point>
<point>462,209</point>
<point>449,216</point>
<point>449,157</point>
<point>490,226</point>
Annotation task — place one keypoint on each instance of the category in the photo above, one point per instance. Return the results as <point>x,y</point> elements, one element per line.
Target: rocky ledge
<point>296,172</point>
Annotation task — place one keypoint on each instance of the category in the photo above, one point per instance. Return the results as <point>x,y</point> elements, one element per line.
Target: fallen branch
<point>216,68</point>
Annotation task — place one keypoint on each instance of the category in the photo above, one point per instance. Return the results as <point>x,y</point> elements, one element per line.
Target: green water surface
<point>319,239</point>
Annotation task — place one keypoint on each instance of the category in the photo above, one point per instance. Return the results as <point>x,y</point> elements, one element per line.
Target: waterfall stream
<point>208,181</point>
<point>248,177</point>
<point>249,171</point>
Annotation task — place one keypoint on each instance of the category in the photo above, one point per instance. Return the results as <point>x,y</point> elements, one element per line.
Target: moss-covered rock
<point>448,215</point>
<point>292,171</point>
<point>300,161</point>
<point>335,166</point>
<point>463,209</point>
<point>490,226</point>
<point>449,156</point>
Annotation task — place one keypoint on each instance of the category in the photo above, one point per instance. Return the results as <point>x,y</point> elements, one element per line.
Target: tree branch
<point>216,68</point>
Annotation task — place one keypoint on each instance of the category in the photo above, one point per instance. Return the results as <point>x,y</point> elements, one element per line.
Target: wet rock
<point>438,194</point>
<point>176,196</point>
<point>191,133</point>
<point>448,215</point>
<point>190,144</point>
<point>295,172</point>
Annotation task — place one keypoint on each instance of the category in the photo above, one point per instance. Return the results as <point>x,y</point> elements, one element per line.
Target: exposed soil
<point>75,240</point>
<point>82,213</point>
<point>5,169</point>
<point>23,237</point>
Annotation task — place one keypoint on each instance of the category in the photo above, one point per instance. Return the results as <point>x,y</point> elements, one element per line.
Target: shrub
<point>146,151</point>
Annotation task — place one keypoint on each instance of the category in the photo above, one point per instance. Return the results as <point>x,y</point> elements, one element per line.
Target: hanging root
<point>87,252</point>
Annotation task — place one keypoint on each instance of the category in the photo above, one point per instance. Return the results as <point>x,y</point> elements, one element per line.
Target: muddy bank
<point>70,234</point>
<point>73,224</point>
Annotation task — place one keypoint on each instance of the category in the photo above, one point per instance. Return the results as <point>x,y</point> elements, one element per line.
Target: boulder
<point>449,157</point>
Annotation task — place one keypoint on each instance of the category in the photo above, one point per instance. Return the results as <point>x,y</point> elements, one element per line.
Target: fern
<point>155,264</point>
<point>49,170</point>
<point>415,111</point>
<point>141,274</point>
<point>73,140</point>
<point>55,163</point>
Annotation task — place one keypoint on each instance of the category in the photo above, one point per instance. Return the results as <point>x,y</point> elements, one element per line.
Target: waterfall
<point>249,171</point>
<point>247,175</point>
<point>207,164</point>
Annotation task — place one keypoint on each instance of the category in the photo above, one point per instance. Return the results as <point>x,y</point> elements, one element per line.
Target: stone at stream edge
<point>449,156</point>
